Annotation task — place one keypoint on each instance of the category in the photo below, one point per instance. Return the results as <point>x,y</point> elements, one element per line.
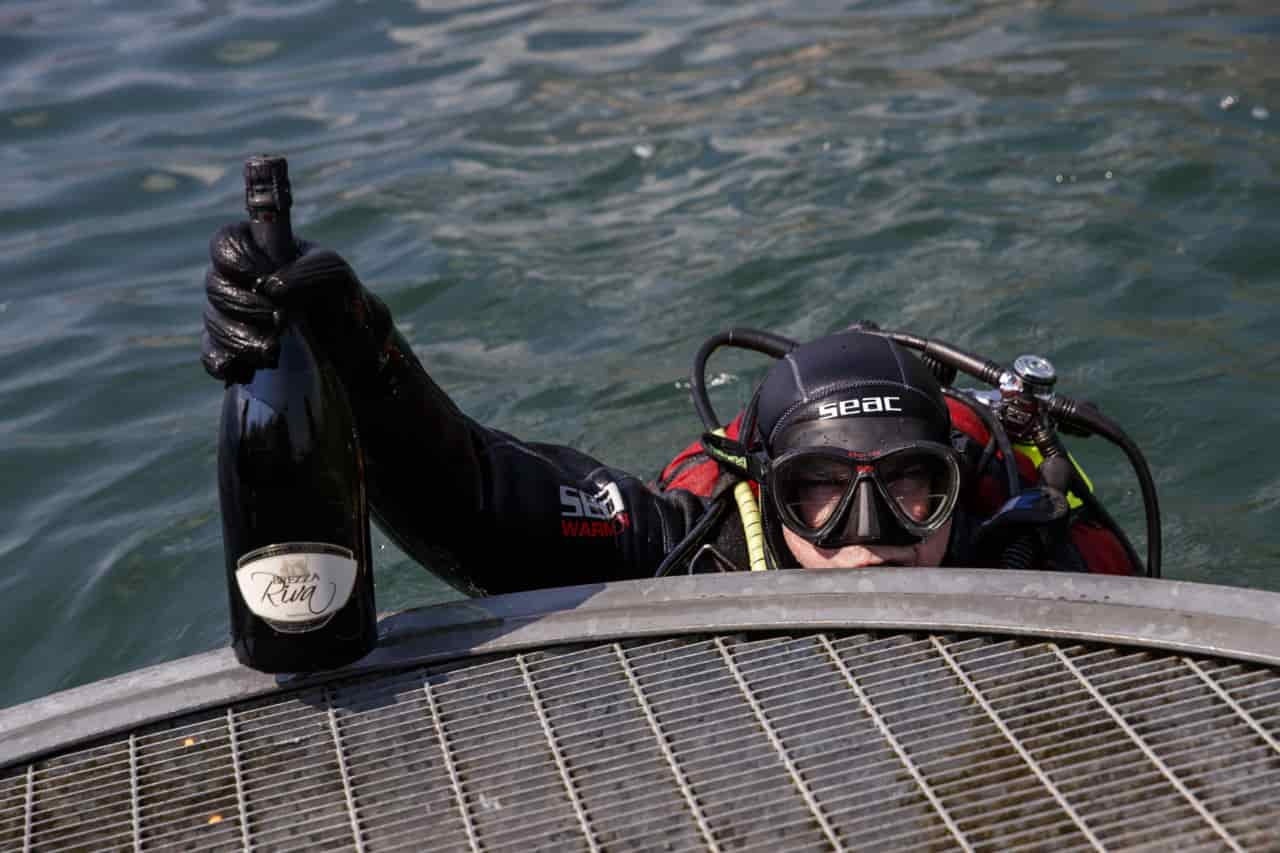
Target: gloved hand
<point>249,300</point>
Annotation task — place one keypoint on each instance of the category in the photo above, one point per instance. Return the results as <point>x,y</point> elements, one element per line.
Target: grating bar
<point>621,719</point>
<point>1034,837</point>
<point>409,801</point>
<point>135,807</point>
<point>905,839</point>
<point>408,833</point>
<point>83,845</point>
<point>1015,743</point>
<point>89,829</point>
<point>172,830</point>
<point>94,759</point>
<point>504,750</point>
<point>144,788</point>
<point>871,710</point>
<point>1118,769</point>
<point>1155,759</point>
<point>1163,844</point>
<point>391,734</point>
<point>318,792</point>
<point>1191,822</point>
<point>91,774</point>
<point>1233,704</point>
<point>1100,744</point>
<point>341,755</point>
<point>29,808</point>
<point>871,819</point>
<point>1120,810</point>
<point>397,739</point>
<point>1084,711</point>
<point>557,755</point>
<point>519,832</point>
<point>1036,843</point>
<point>79,798</point>
<point>85,802</point>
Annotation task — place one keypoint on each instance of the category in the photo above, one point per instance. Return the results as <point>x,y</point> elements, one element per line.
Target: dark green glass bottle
<point>295,519</point>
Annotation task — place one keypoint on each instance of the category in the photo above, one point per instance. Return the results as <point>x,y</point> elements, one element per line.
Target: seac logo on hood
<point>859,406</point>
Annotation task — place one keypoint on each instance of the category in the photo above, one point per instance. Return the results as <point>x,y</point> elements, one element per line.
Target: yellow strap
<point>749,511</point>
<point>1033,453</point>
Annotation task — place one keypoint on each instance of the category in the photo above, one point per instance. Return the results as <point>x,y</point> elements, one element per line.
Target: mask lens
<point>921,484</point>
<point>810,488</point>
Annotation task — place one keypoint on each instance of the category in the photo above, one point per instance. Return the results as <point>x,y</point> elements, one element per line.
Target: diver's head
<point>857,456</point>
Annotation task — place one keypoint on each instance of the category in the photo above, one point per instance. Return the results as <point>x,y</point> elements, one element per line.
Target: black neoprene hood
<point>852,390</point>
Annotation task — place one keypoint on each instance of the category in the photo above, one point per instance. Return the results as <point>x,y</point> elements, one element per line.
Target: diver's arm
<point>513,515</point>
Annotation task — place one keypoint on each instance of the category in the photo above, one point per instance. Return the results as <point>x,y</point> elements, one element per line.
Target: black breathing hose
<point>998,434</point>
<point>1087,417</point>
<point>759,341</point>
<point>983,369</point>
<point>752,339</point>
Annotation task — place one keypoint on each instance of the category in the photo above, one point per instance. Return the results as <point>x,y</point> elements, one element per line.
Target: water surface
<point>560,201</point>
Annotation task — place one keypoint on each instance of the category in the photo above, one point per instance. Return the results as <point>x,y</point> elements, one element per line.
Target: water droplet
<point>1110,175</point>
<point>826,146</point>
<point>1058,179</point>
<point>644,151</point>
<point>1229,102</point>
<point>1260,113</point>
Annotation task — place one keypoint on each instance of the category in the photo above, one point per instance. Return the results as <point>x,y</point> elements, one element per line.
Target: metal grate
<point>725,741</point>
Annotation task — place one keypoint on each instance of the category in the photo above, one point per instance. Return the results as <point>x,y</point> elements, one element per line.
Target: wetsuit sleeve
<point>485,510</point>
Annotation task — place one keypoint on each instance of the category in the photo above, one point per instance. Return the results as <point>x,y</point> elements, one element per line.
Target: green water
<point>561,200</point>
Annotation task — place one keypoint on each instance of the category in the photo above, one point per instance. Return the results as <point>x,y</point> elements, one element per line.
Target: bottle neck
<point>273,233</point>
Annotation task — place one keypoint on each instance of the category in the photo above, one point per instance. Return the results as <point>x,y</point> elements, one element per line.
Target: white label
<point>297,586</point>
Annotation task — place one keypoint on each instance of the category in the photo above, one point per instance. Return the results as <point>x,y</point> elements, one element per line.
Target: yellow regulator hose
<point>749,510</point>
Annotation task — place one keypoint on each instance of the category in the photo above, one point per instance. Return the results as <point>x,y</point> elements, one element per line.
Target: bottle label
<point>296,586</point>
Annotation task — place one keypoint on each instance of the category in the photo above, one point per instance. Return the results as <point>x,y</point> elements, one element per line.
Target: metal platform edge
<point>1229,622</point>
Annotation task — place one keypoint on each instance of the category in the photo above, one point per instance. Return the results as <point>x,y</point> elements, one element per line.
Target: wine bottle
<point>295,519</point>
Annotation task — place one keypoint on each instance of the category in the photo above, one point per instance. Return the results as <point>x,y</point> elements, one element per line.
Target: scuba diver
<point>851,453</point>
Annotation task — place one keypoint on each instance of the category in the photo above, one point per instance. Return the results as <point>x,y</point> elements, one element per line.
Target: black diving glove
<point>248,301</point>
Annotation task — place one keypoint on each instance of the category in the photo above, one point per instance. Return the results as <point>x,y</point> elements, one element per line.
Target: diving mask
<point>833,497</point>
